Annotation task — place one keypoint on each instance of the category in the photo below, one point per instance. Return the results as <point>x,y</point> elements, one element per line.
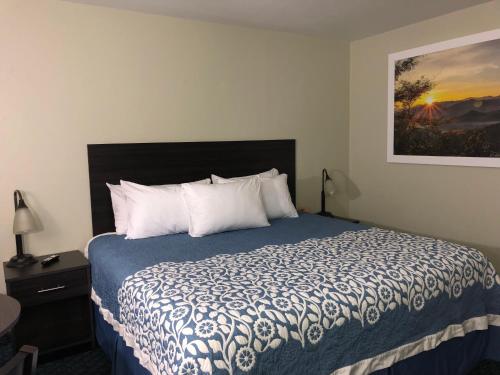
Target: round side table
<point>9,313</point>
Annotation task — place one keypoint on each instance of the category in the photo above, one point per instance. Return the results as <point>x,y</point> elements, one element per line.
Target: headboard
<point>177,162</point>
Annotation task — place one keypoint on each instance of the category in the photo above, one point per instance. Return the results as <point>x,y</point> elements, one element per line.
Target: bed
<point>311,295</point>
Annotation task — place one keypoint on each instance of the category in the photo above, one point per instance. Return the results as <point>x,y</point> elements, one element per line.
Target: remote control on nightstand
<point>49,260</point>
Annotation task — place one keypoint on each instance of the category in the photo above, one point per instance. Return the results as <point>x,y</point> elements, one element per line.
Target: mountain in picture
<point>448,103</point>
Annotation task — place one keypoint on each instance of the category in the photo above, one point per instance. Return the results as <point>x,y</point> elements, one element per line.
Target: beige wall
<point>457,203</point>
<point>73,74</point>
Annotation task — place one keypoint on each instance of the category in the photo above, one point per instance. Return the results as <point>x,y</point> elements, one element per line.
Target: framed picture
<point>444,103</point>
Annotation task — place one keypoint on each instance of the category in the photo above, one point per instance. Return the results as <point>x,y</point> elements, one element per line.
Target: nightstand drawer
<point>51,287</point>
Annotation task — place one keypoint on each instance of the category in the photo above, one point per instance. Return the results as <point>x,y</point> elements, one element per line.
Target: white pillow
<point>119,203</point>
<point>275,196</point>
<point>270,173</point>
<point>224,207</point>
<point>155,210</point>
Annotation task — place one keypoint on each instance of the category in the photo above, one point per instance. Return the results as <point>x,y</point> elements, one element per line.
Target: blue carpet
<point>91,362</point>
<point>94,362</point>
<point>6,350</point>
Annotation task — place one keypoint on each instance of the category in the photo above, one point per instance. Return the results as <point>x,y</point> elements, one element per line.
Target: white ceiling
<point>343,19</point>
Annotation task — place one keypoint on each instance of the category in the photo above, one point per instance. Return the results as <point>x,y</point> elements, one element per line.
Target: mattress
<point>304,296</point>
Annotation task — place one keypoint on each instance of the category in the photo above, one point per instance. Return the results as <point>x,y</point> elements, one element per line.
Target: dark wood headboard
<point>177,162</point>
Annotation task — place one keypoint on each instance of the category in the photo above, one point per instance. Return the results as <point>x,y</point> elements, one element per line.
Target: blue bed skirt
<point>453,357</point>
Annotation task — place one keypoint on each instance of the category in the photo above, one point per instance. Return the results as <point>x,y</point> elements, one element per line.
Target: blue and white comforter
<point>319,306</point>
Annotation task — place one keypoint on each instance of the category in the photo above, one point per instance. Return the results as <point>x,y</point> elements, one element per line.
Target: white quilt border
<point>430,342</point>
<point>365,366</point>
<point>129,339</point>
<point>86,249</point>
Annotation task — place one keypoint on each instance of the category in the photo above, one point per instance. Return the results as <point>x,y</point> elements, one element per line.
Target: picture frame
<point>451,128</point>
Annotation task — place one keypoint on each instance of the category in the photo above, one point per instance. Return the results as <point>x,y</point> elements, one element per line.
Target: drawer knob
<point>51,289</point>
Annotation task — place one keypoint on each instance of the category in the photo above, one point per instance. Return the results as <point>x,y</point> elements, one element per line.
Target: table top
<point>9,313</point>
<point>68,261</point>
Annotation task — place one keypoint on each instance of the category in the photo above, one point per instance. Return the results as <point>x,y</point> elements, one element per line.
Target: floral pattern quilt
<point>312,306</point>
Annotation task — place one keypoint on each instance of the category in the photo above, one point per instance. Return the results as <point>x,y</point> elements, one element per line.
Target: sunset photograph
<point>447,103</point>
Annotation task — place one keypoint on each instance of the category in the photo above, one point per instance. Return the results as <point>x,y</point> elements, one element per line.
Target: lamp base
<point>329,214</point>
<point>21,261</point>
<point>325,213</point>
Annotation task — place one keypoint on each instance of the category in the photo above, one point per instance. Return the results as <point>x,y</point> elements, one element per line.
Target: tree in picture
<point>447,103</point>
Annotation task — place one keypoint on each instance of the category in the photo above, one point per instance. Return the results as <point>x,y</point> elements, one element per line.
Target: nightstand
<point>330,215</point>
<point>56,311</point>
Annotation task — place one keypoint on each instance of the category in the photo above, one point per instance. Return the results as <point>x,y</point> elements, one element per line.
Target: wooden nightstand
<point>328,214</point>
<point>55,303</point>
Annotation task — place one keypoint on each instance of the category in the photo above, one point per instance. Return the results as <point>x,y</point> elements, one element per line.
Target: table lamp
<point>327,188</point>
<point>24,223</point>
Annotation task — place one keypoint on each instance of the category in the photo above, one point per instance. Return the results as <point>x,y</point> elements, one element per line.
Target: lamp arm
<point>19,239</point>
<point>19,202</point>
<point>323,175</point>
<point>17,193</point>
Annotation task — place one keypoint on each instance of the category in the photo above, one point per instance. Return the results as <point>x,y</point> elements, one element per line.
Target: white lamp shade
<point>329,187</point>
<point>24,222</point>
